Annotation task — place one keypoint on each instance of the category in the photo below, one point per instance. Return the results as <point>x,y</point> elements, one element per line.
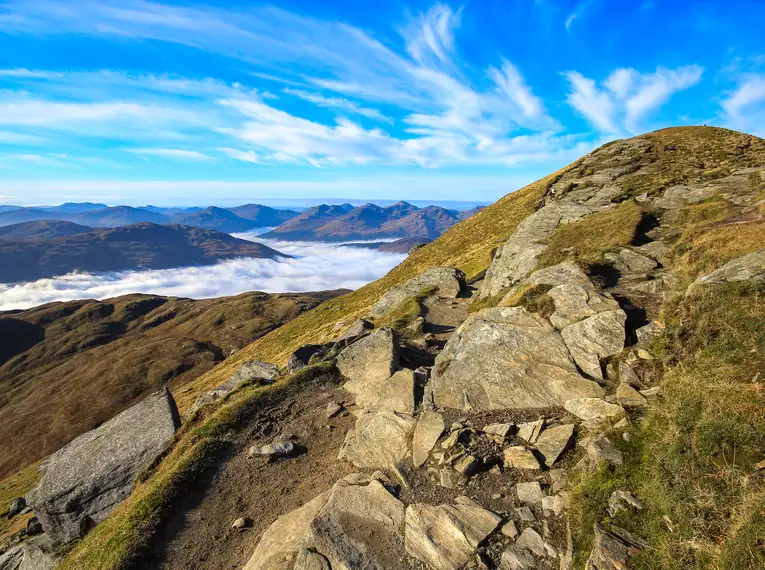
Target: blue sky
<point>229,102</point>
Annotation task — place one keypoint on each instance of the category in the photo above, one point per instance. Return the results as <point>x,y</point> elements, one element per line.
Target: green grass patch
<point>402,317</point>
<point>534,298</point>
<point>588,239</point>
<point>12,487</point>
<point>692,460</point>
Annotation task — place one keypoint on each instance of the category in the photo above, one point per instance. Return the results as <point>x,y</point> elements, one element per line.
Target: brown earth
<point>65,368</point>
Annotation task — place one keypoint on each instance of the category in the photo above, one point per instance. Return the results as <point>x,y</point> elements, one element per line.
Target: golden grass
<point>11,487</point>
<point>588,239</point>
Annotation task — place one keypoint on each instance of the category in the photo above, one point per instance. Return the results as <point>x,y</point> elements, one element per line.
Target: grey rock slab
<point>395,394</point>
<point>627,396</point>
<point>629,262</point>
<point>369,361</point>
<point>574,303</point>
<point>610,552</point>
<point>554,504</point>
<point>601,449</point>
<point>594,338</point>
<point>273,450</point>
<point>503,358</point>
<point>447,282</point>
<point>593,408</point>
<point>430,426</point>
<point>750,267</point>
<point>498,432</point>
<point>627,375</point>
<point>38,553</point>
<point>519,457</point>
<point>649,332</point>
<point>620,501</point>
<point>529,431</point>
<point>17,505</point>
<point>358,328</point>
<point>566,273</point>
<point>445,537</point>
<point>517,558</point>
<point>532,541</point>
<point>85,480</point>
<point>379,440</point>
<point>553,441</point>
<point>348,526</point>
<point>250,371</point>
<point>302,356</point>
<point>529,492</point>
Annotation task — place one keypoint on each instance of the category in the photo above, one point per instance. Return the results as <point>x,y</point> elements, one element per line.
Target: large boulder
<point>395,394</point>
<point>85,480</point>
<point>369,361</point>
<point>504,358</point>
<point>446,537</point>
<point>429,428</point>
<point>379,440</point>
<point>574,303</point>
<point>445,282</point>
<point>750,267</point>
<point>302,356</point>
<point>594,338</point>
<point>356,524</point>
<point>250,371</point>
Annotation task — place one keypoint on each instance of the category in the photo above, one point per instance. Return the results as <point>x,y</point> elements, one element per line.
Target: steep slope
<point>302,226</point>
<point>140,246</point>
<point>46,229</point>
<point>263,216</point>
<point>213,218</point>
<point>634,224</point>
<point>67,367</point>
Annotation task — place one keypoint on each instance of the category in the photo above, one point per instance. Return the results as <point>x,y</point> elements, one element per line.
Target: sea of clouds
<point>313,267</point>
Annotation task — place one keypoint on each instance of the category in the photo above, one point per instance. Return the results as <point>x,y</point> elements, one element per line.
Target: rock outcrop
<point>356,524</point>
<point>369,361</point>
<point>507,358</point>
<point>38,553</point>
<point>84,481</point>
<point>251,371</point>
<point>445,282</point>
<point>749,267</point>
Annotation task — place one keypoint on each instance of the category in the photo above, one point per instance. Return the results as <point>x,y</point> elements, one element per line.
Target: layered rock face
<point>507,358</point>
<point>84,481</point>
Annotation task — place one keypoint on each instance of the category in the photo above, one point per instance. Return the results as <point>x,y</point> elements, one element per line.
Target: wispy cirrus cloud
<point>445,111</point>
<point>174,153</point>
<point>627,97</point>
<point>744,107</point>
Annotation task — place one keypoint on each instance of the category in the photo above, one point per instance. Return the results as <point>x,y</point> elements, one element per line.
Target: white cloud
<point>452,114</point>
<point>170,153</point>
<point>243,155</point>
<point>744,107</point>
<point>337,103</point>
<point>627,96</point>
<point>314,267</point>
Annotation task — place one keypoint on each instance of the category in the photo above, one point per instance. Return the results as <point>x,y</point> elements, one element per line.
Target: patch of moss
<point>534,298</point>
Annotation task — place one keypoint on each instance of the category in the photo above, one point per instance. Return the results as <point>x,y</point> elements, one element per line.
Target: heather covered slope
<point>67,367</point>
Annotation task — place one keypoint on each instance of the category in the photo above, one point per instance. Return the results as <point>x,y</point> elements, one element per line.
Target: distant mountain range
<point>331,223</point>
<point>26,256</point>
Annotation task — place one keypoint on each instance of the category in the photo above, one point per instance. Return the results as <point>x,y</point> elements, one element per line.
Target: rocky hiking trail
<point>451,437</point>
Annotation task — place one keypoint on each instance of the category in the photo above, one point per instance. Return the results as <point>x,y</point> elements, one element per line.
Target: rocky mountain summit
<point>571,378</point>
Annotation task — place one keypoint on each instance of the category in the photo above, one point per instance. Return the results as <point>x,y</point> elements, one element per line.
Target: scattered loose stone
<point>524,514</point>
<point>498,432</point>
<point>517,558</point>
<point>275,450</point>
<point>520,458</point>
<point>593,408</point>
<point>509,529</point>
<point>554,504</point>
<point>530,430</point>
<point>241,523</point>
<point>649,392</point>
<point>627,375</point>
<point>531,540</point>
<point>627,396</point>
<point>529,492</point>
<point>429,428</point>
<point>554,441</point>
<point>609,551</point>
<point>620,500</point>
<point>378,441</point>
<point>646,334</point>
<point>333,408</point>
<point>601,449</point>
<point>17,505</point>
<point>466,465</point>
<point>446,478</point>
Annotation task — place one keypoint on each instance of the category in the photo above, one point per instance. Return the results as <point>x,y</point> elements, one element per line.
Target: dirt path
<point>443,316</point>
<point>199,535</point>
